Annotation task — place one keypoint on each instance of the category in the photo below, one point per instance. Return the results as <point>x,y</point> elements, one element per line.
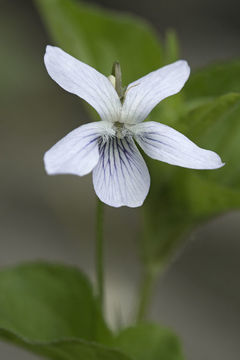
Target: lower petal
<point>163,143</point>
<point>121,177</point>
<point>77,153</point>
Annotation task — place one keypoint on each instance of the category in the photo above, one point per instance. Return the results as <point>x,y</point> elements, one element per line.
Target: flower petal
<point>144,94</point>
<point>163,143</point>
<point>77,153</point>
<point>84,81</point>
<point>121,176</point>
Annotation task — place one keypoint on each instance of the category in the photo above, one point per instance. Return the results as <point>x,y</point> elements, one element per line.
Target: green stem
<point>99,253</point>
<point>146,290</point>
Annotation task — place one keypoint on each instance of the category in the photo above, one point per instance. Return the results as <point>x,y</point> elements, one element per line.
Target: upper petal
<point>163,143</point>
<point>77,153</point>
<point>144,94</point>
<point>121,176</point>
<point>84,81</point>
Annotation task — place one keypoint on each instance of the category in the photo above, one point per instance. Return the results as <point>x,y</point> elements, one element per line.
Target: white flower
<point>107,147</point>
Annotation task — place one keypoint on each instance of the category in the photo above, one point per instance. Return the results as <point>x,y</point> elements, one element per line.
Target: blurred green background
<point>53,217</point>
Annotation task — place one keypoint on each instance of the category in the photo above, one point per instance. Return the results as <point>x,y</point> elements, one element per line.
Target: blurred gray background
<point>53,217</point>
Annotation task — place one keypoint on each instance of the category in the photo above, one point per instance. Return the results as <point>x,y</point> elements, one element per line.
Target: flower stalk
<point>99,255</point>
<point>145,296</point>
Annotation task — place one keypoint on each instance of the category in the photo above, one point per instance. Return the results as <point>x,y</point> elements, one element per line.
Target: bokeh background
<point>52,218</point>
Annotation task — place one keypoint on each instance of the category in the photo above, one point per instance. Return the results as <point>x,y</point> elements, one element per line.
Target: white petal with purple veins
<point>77,153</point>
<point>144,94</point>
<point>121,176</point>
<point>163,143</point>
<point>84,81</point>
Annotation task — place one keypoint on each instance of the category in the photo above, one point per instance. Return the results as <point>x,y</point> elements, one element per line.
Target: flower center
<point>120,130</point>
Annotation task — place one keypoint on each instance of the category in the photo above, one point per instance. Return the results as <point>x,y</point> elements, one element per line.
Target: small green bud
<point>117,74</point>
<point>112,80</point>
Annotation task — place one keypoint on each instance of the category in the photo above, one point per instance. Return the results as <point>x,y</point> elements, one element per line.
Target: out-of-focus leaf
<point>173,209</point>
<point>182,198</point>
<point>172,50</point>
<point>50,310</point>
<point>149,342</point>
<point>65,349</point>
<point>216,126</point>
<point>45,303</point>
<point>213,80</point>
<point>100,37</point>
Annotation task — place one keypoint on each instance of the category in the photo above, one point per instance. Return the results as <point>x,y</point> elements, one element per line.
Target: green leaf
<point>149,342</point>
<point>181,198</point>
<point>50,310</point>
<point>45,306</point>
<point>213,81</point>
<point>183,204</point>
<point>45,302</point>
<point>216,126</point>
<point>100,37</point>
<point>66,349</point>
